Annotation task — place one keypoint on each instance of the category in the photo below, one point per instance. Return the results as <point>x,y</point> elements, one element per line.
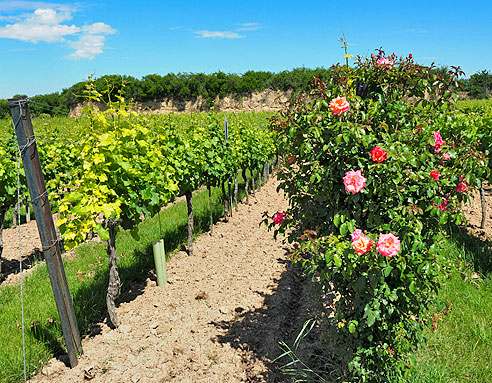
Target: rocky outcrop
<point>267,101</point>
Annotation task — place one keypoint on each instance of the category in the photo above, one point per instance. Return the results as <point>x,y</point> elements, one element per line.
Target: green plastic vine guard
<point>160,261</point>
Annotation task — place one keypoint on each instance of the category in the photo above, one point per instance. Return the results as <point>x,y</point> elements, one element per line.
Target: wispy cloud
<point>175,28</point>
<point>244,27</point>
<point>49,24</point>
<point>30,5</point>
<point>218,34</point>
<point>11,19</point>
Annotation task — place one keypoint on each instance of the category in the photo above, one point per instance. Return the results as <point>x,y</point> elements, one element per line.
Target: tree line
<point>189,86</point>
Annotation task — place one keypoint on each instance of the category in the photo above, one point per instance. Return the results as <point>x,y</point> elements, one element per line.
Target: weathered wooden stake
<point>114,286</point>
<point>484,208</point>
<point>226,202</point>
<point>246,186</point>
<point>230,196</point>
<point>14,216</point>
<point>211,215</point>
<point>253,188</point>
<point>2,216</point>
<point>19,110</point>
<point>228,211</point>
<point>189,204</point>
<point>28,212</point>
<point>235,192</point>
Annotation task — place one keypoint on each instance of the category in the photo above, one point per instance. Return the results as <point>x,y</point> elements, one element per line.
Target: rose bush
<point>398,198</point>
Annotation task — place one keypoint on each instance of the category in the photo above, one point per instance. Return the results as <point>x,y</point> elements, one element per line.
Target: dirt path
<point>219,319</point>
<point>31,253</point>
<point>473,214</point>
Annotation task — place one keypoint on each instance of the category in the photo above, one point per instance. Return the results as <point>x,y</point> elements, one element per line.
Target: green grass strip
<point>460,349</point>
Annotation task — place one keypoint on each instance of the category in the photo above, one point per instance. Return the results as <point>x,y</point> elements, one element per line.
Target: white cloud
<point>48,25</point>
<point>88,46</point>
<point>43,25</point>
<point>249,27</point>
<point>99,29</point>
<point>218,34</point>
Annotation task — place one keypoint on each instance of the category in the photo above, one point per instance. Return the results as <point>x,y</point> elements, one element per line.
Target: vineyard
<point>375,173</point>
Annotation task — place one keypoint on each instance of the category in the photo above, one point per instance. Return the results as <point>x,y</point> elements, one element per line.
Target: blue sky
<point>47,46</point>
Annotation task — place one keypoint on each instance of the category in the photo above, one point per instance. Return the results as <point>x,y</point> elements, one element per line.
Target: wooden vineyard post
<point>484,208</point>
<point>235,191</point>
<point>246,186</point>
<point>19,110</point>
<point>229,195</point>
<point>253,187</point>
<point>114,288</point>
<point>226,202</point>
<point>14,216</point>
<point>189,204</point>
<point>211,212</point>
<point>28,212</point>
<point>2,217</point>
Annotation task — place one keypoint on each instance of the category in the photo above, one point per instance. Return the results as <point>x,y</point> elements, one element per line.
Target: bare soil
<point>219,318</point>
<point>473,213</point>
<point>31,253</point>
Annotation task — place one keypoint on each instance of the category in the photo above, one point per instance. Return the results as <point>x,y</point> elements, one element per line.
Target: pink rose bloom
<point>435,174</point>
<point>362,245</point>
<point>354,182</point>
<point>278,218</point>
<point>462,186</point>
<point>384,62</point>
<point>438,142</point>
<point>356,234</point>
<point>446,156</point>
<point>339,105</point>
<point>388,245</point>
<point>443,206</point>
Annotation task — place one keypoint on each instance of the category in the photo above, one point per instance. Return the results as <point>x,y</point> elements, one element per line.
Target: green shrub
<point>408,181</point>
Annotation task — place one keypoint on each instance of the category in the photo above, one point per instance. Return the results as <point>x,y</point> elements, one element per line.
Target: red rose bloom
<point>278,218</point>
<point>435,174</point>
<point>462,186</point>
<point>378,154</point>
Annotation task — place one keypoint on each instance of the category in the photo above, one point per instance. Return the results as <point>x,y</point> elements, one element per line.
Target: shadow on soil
<point>478,248</point>
<point>258,332</point>
<point>11,266</point>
